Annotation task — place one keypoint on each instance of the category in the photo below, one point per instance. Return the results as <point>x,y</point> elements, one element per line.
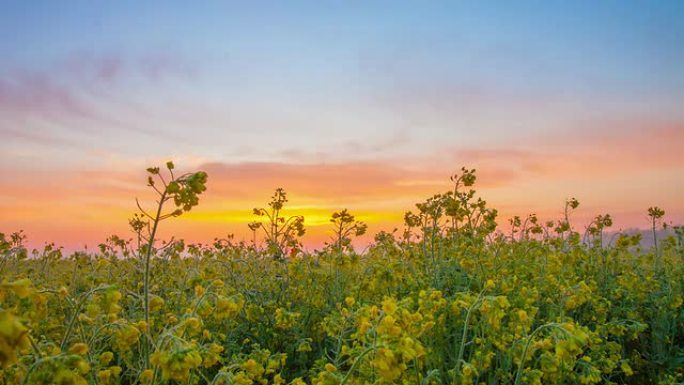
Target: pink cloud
<point>27,93</point>
<point>79,94</point>
<point>639,146</point>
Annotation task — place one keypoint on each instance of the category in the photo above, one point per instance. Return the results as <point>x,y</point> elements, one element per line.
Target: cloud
<point>26,93</point>
<point>350,180</point>
<point>110,67</point>
<point>28,136</point>
<point>606,149</point>
<point>82,93</point>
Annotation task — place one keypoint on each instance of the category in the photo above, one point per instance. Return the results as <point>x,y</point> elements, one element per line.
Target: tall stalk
<point>655,213</point>
<point>184,191</point>
<point>146,278</point>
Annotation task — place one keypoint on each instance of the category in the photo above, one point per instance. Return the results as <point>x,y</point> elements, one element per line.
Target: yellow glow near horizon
<point>313,216</point>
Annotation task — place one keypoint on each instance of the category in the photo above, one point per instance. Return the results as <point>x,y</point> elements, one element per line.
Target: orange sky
<point>613,173</point>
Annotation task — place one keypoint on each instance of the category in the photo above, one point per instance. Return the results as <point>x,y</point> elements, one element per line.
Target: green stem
<point>518,374</point>
<point>356,362</point>
<point>146,281</point>
<point>72,322</point>
<point>655,247</point>
<point>464,335</point>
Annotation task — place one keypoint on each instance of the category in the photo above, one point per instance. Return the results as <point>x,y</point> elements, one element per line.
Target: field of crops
<point>445,300</point>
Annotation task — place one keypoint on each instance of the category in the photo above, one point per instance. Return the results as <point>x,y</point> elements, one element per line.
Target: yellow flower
<point>124,337</point>
<point>63,292</point>
<point>468,371</point>
<point>285,319</point>
<point>146,376</point>
<point>242,379</point>
<point>389,306</point>
<point>304,346</point>
<point>388,365</point>
<point>20,287</point>
<point>13,337</point>
<point>228,307</point>
<point>83,366</point>
<point>176,365</point>
<point>104,375</point>
<point>78,348</point>
<point>156,303</point>
<point>388,326</point>
<point>278,380</point>
<point>212,357</point>
<point>364,326</point>
<point>67,376</point>
<point>253,368</point>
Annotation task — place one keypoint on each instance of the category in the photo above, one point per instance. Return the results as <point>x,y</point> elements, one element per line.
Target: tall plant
<point>345,226</point>
<point>281,232</point>
<point>183,191</point>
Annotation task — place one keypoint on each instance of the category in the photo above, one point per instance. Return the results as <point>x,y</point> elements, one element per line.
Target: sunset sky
<point>369,106</point>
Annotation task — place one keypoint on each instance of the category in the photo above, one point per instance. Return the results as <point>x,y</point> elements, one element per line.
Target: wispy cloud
<point>78,94</point>
<point>600,150</point>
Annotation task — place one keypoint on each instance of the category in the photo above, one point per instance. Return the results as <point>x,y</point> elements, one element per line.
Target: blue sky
<point>555,44</point>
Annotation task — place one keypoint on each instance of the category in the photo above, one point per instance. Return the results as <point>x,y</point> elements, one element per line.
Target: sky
<point>369,106</point>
